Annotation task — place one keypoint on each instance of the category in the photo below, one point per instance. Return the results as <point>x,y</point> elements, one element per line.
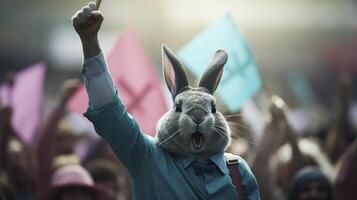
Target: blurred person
<point>67,139</point>
<point>346,181</point>
<point>310,184</point>
<point>274,135</point>
<point>341,133</point>
<point>17,163</point>
<point>73,182</point>
<point>311,154</point>
<point>106,174</point>
<point>21,169</point>
<point>281,153</point>
<point>314,151</point>
<point>7,192</point>
<point>65,159</point>
<point>53,142</point>
<point>100,150</point>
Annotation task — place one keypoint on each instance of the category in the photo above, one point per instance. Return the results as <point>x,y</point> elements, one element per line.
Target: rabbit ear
<point>210,79</point>
<point>174,73</point>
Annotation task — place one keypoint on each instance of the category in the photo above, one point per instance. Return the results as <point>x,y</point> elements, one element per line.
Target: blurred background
<point>312,36</point>
<point>305,51</point>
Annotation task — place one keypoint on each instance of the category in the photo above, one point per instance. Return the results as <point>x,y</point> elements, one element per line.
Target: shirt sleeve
<point>99,83</point>
<point>111,119</point>
<point>250,185</point>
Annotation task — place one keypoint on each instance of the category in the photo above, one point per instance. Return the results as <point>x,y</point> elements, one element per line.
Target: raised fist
<point>87,21</point>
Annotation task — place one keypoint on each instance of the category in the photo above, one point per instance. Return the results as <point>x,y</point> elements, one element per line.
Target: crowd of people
<point>319,165</point>
<point>50,169</point>
<point>287,165</point>
<point>310,165</point>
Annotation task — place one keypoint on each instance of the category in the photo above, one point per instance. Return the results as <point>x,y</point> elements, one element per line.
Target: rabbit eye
<point>178,108</point>
<point>214,108</point>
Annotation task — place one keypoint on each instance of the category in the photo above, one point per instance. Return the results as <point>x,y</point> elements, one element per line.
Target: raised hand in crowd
<point>276,133</point>
<point>87,23</point>
<point>340,135</point>
<point>49,141</point>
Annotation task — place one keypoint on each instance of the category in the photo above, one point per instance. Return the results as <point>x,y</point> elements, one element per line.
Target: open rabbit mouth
<point>197,140</point>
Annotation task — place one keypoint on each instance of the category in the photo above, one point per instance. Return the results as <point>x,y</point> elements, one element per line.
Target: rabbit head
<point>193,125</point>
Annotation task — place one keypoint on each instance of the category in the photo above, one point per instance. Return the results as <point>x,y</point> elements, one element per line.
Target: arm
<point>46,147</point>
<point>276,132</point>
<point>106,111</point>
<point>338,136</point>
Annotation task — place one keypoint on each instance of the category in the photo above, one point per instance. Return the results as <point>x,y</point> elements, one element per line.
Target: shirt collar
<point>187,160</point>
<point>218,159</point>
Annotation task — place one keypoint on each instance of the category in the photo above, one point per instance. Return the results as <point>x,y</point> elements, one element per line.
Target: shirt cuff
<point>94,66</point>
<point>99,83</point>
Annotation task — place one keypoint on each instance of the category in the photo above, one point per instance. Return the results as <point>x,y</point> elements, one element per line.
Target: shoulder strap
<point>233,166</point>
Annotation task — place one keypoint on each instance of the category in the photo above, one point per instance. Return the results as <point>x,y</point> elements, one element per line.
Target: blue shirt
<point>157,174</point>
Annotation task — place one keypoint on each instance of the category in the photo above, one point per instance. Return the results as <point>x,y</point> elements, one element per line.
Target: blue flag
<point>240,79</point>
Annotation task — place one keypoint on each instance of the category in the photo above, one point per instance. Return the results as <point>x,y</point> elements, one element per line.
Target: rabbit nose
<point>197,116</point>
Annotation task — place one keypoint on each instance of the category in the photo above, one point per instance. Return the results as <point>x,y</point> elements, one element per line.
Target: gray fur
<point>210,79</point>
<point>176,128</point>
<point>177,81</point>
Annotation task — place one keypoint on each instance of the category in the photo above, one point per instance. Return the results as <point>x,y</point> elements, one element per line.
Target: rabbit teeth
<point>197,139</point>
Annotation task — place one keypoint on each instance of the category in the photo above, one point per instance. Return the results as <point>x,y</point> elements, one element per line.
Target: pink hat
<point>72,175</point>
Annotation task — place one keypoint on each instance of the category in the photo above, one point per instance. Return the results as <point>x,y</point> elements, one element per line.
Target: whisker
<point>236,132</point>
<point>174,134</point>
<point>219,126</point>
<point>236,135</point>
<point>218,132</point>
<point>247,141</point>
<point>239,125</point>
<point>235,115</point>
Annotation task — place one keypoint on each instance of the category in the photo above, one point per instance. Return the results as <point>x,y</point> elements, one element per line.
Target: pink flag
<point>138,84</point>
<point>26,99</point>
